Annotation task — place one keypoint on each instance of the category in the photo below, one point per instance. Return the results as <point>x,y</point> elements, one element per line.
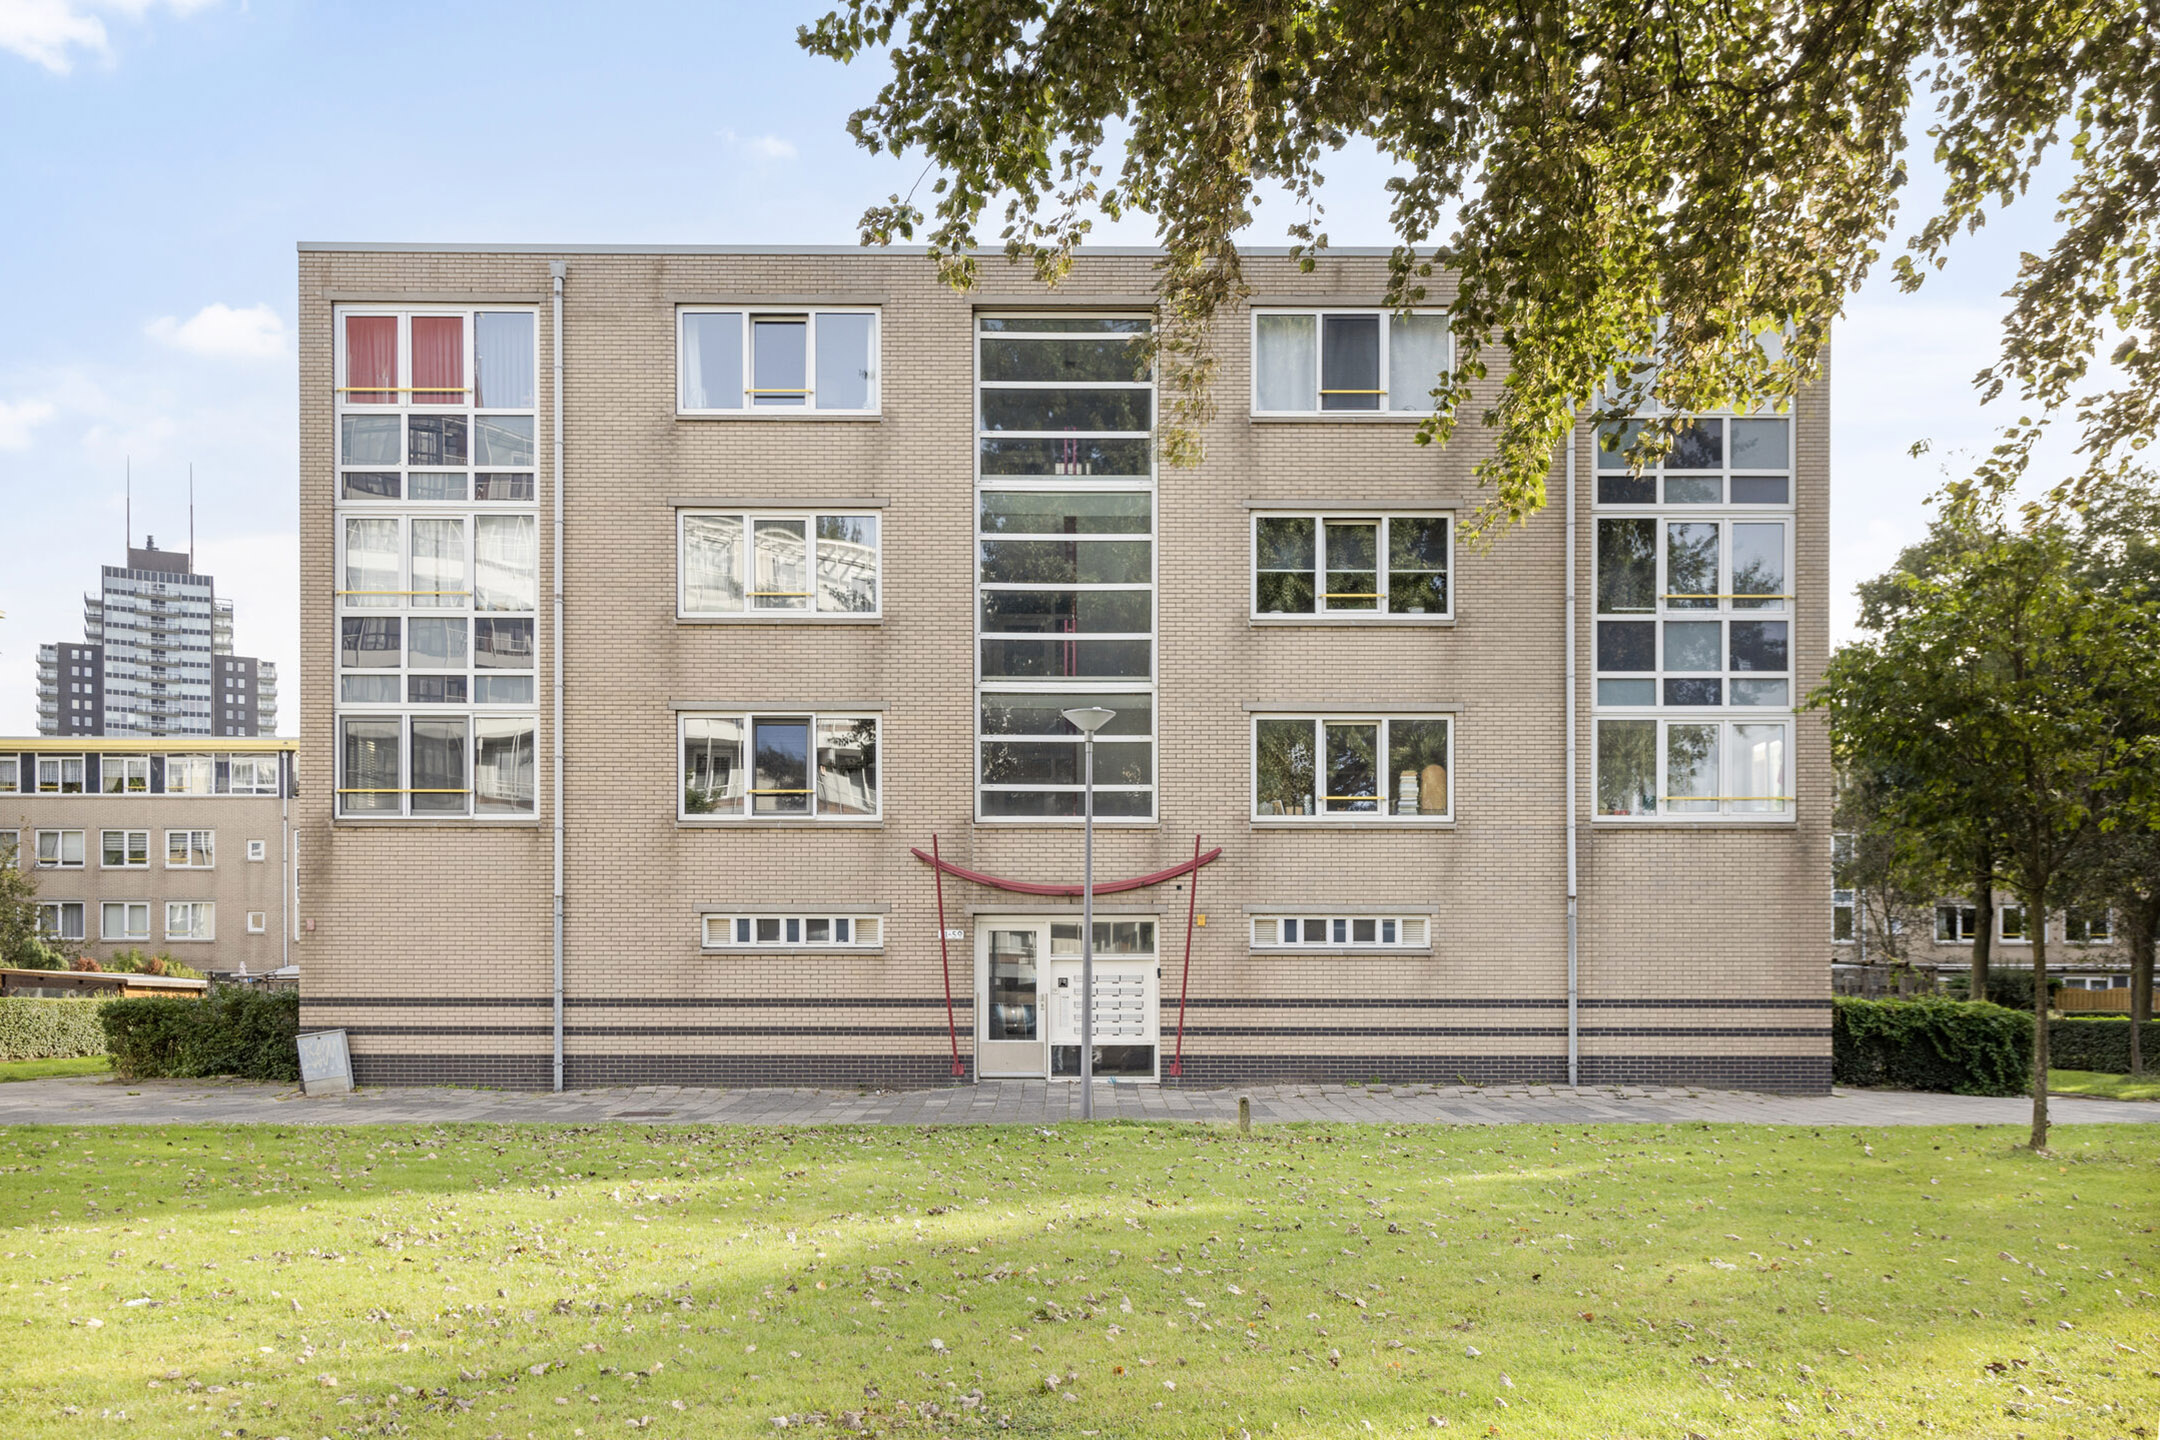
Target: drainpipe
<point>1574,1060</point>
<point>556,270</point>
<point>287,881</point>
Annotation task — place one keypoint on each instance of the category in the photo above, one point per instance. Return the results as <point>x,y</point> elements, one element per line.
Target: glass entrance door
<point>1009,1035</point>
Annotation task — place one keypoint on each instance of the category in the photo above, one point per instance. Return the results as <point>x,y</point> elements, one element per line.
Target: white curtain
<point>712,360</point>
<point>1758,766</point>
<point>1417,356</point>
<point>1287,363</point>
<point>503,360</point>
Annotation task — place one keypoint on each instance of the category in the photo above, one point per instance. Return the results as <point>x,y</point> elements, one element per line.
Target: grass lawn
<point>47,1069</point>
<point>1123,1280</point>
<point>2104,1086</point>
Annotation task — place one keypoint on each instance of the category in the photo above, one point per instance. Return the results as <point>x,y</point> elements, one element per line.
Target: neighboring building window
<point>1378,932</point>
<point>10,774</point>
<point>1065,564</point>
<point>190,920</point>
<point>190,775</point>
<point>1351,565</point>
<point>1308,362</point>
<point>124,920</point>
<point>250,775</point>
<point>60,919</point>
<point>60,849</point>
<point>10,847</point>
<point>125,774</point>
<point>1714,461</point>
<point>258,922</point>
<point>1841,917</point>
<point>256,850</point>
<point>125,849</point>
<point>2088,927</point>
<point>60,774</point>
<point>1648,768</point>
<point>1353,768</point>
<point>190,849</point>
<point>767,564</point>
<point>746,932</point>
<point>1956,924</point>
<point>438,558</point>
<point>2010,925</point>
<point>779,766</point>
<point>777,362</point>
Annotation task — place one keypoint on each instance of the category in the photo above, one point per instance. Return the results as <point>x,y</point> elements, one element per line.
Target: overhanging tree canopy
<point>1624,180</point>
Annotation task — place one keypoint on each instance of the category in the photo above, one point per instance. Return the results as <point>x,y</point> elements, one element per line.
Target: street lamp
<point>1087,720</point>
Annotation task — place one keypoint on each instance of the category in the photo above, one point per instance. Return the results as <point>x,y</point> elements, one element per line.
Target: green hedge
<point>1950,1045</point>
<point>32,1029</point>
<point>251,1034</point>
<point>2101,1044</point>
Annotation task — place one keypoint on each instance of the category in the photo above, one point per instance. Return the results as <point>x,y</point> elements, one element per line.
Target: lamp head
<point>1090,718</point>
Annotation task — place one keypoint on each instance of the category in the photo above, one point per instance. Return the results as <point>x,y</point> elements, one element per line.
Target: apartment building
<point>2086,949</point>
<point>687,630</point>
<point>156,659</point>
<point>140,845</point>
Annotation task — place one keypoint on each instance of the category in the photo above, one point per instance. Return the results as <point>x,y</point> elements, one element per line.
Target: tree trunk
<point>2036,927</point>
<point>1984,914</point>
<point>2144,932</point>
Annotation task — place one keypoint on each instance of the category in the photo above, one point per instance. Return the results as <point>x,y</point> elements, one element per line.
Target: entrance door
<point>1009,1030</point>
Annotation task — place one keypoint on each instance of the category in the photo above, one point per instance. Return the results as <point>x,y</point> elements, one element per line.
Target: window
<point>60,919</point>
<point>59,849</point>
<point>1743,460</point>
<point>10,847</point>
<point>732,564</point>
<point>124,920</point>
<point>1351,565</point>
<point>1712,600</point>
<point>190,775</point>
<point>10,774</point>
<point>2088,927</point>
<point>769,932</point>
<point>777,362</point>
<point>2010,925</point>
<point>1374,769</point>
<point>125,849</point>
<point>255,849</point>
<point>1956,924</point>
<point>1841,917</point>
<point>1065,564</point>
<point>1651,768</point>
<point>1377,932</point>
<point>1347,361</point>
<point>250,775</point>
<point>60,774</point>
<point>258,922</point>
<point>779,767</point>
<point>190,849</point>
<point>125,774</point>
<point>438,564</point>
<point>190,920</point>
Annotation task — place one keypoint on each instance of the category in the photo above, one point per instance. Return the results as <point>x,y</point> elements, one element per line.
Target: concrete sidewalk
<point>83,1101</point>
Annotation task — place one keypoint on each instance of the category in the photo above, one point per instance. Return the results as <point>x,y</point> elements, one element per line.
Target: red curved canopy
<point>1102,887</point>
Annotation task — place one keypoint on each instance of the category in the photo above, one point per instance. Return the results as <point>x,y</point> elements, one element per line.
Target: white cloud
<point>50,32</point>
<point>758,147</point>
<point>255,333</point>
<point>18,419</point>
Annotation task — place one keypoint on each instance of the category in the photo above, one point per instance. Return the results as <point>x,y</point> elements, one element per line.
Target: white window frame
<point>189,849</point>
<point>747,719</point>
<point>63,766</point>
<point>1321,517</point>
<point>722,932</point>
<point>1386,410</point>
<point>126,848</point>
<point>1104,692</point>
<point>2002,922</point>
<point>10,847</point>
<point>257,850</point>
<point>1725,504</point>
<point>10,774</point>
<point>1842,902</point>
<point>1787,807</point>
<point>1390,931</point>
<point>59,910</point>
<point>133,772</point>
<point>750,611</point>
<point>809,409</point>
<point>81,860</point>
<point>258,922</point>
<point>128,909</point>
<point>1386,816</point>
<point>204,911</point>
<point>1966,918</point>
<point>2106,917</point>
<point>1725,611</point>
<point>467,814</point>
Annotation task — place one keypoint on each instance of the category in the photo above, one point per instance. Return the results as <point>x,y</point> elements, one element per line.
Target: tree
<point>21,946</point>
<point>1635,202</point>
<point>2006,675</point>
<point>1894,875</point>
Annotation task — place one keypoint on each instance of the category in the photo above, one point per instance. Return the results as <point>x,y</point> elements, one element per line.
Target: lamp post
<point>1087,720</point>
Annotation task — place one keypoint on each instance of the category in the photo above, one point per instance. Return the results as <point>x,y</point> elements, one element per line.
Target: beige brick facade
<point>247,878</point>
<point>1701,949</point>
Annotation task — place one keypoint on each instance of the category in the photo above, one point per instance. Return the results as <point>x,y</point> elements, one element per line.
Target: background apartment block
<point>156,659</point>
<point>836,547</point>
<point>140,846</point>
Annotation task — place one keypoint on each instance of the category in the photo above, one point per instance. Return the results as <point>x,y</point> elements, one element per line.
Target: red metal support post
<point>1192,904</point>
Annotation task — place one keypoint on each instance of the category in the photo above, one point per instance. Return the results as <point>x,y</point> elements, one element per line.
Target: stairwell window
<point>745,361</point>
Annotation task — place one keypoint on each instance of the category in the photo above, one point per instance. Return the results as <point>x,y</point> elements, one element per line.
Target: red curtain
<point>438,359</point>
<point>370,359</point>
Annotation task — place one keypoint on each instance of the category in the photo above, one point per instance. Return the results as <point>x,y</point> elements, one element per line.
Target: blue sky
<point>163,156</point>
